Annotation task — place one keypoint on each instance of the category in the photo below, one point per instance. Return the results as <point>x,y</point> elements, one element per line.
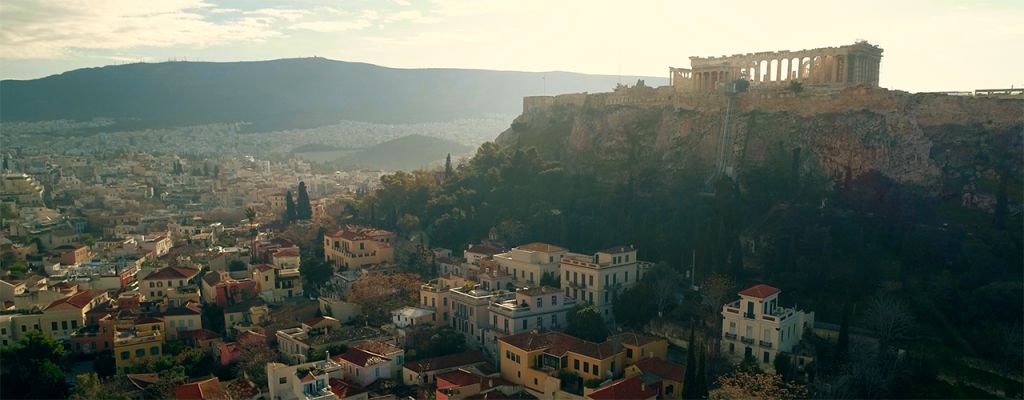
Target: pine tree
<point>303,210</point>
<point>448,167</point>
<point>289,210</point>
<point>689,384</point>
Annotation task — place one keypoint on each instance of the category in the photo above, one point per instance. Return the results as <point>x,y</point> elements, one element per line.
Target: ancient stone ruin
<point>827,67</point>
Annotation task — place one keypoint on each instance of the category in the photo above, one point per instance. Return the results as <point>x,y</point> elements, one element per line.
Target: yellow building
<point>535,360</point>
<point>671,375</point>
<point>169,282</point>
<point>358,246</point>
<point>137,341</point>
<point>436,296</point>
<point>59,319</point>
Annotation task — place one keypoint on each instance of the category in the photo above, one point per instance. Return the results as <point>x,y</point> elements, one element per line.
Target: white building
<point>529,262</point>
<point>756,326</point>
<point>411,316</point>
<point>540,308</point>
<point>599,278</point>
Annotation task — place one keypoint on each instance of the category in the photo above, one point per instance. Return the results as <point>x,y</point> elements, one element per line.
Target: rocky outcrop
<point>937,142</point>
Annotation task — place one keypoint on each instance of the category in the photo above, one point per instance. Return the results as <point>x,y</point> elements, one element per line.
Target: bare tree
<point>890,319</point>
<point>716,290</point>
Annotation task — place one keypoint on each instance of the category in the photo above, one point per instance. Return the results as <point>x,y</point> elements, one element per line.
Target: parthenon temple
<point>855,64</point>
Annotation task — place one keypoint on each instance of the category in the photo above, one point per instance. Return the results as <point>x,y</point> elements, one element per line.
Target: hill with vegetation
<point>899,213</point>
<point>281,94</point>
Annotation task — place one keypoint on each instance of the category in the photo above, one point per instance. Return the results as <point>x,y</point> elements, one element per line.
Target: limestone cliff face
<point>948,144</point>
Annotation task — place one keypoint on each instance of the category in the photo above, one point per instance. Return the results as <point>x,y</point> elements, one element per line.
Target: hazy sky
<point>929,44</point>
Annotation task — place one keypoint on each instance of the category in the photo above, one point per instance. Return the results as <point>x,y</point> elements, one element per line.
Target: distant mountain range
<point>283,94</point>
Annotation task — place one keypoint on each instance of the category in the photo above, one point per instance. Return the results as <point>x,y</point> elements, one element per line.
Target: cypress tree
<point>689,386</point>
<point>843,344</point>
<point>303,209</point>
<point>448,167</point>
<point>289,210</point>
<point>701,392</point>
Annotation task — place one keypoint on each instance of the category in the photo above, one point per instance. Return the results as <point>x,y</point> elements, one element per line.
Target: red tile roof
<point>629,388</point>
<point>172,273</point>
<point>541,247</point>
<point>360,357</point>
<point>449,361</point>
<point>558,343</point>
<point>485,249</point>
<point>289,252</point>
<point>633,338</point>
<point>209,389</point>
<point>665,369</point>
<point>378,347</point>
<point>759,291</point>
<point>77,300</point>
<point>457,378</point>
<point>343,389</point>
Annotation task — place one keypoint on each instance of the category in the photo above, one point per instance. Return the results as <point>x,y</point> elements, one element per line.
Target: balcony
<point>730,336</point>
<point>746,340</point>
<point>748,315</point>
<point>765,344</point>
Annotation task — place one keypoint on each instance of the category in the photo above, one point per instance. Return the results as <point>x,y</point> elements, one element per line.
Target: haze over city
<point>39,38</point>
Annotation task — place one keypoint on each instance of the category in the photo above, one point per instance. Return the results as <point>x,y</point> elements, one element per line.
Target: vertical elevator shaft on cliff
<point>724,156</point>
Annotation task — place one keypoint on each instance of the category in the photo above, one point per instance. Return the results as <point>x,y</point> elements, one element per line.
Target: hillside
<point>405,153</point>
<point>281,94</point>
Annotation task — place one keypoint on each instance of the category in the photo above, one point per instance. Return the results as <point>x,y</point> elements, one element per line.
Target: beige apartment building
<point>529,262</point>
<point>539,308</point>
<point>599,278</point>
<point>436,295</point>
<point>358,246</point>
<point>756,326</point>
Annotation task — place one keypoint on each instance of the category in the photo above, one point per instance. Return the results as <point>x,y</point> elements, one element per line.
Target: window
<point>591,280</point>
<point>283,380</point>
<point>626,277</point>
<point>627,257</point>
<point>155,350</point>
<point>151,285</point>
<point>524,324</point>
<point>181,283</point>
<point>140,352</point>
<point>554,300</point>
<point>596,368</point>
<point>576,364</point>
<point>357,372</point>
<point>554,319</point>
<point>74,324</point>
<point>125,355</point>
<point>444,301</point>
<point>401,360</point>
<point>732,348</point>
<point>189,323</point>
<point>566,275</point>
<point>540,322</point>
<point>53,325</point>
<point>586,366</point>
<point>170,283</point>
<point>506,324</point>
<point>534,381</point>
<point>376,372</point>
<point>766,357</point>
<point>23,328</point>
<point>591,295</point>
<point>629,353</point>
<point>3,331</point>
<point>540,302</point>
